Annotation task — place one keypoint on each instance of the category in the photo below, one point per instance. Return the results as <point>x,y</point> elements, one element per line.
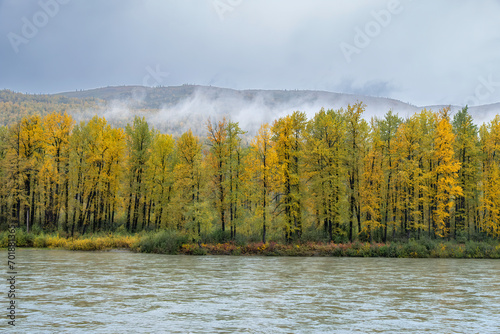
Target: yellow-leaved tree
<point>325,169</point>
<point>388,127</point>
<point>263,167</point>
<point>467,152</point>
<point>161,165</point>
<point>288,136</point>
<point>188,185</point>
<point>57,129</point>
<point>356,144</point>
<point>447,168</point>
<point>372,184</point>
<point>490,199</point>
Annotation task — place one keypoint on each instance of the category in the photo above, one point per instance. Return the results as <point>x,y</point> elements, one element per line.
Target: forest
<point>335,177</point>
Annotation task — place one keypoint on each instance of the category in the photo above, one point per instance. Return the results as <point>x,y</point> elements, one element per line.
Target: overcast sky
<point>423,52</point>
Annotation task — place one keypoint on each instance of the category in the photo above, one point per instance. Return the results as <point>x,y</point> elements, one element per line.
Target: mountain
<point>176,108</point>
<point>187,104</point>
<point>228,100</point>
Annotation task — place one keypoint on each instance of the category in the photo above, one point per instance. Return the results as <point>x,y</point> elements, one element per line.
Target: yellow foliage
<point>88,244</point>
<point>56,242</point>
<point>447,187</point>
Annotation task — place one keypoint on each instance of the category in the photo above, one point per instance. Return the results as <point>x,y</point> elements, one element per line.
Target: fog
<point>250,108</point>
<point>424,52</point>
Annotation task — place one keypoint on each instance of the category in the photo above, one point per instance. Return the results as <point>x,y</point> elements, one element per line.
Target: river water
<point>122,292</point>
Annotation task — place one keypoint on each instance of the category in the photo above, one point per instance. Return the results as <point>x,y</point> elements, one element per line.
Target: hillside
<point>176,108</point>
<point>14,106</point>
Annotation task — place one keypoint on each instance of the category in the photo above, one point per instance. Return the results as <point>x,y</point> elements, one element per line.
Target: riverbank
<point>87,243</point>
<point>411,249</point>
<point>172,243</point>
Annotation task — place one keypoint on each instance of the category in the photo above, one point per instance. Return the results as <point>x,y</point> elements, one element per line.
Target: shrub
<point>314,235</point>
<point>4,239</point>
<point>193,249</point>
<point>56,242</point>
<point>336,249</point>
<point>82,244</point>
<point>428,243</point>
<point>351,250</point>
<point>124,241</point>
<point>415,249</point>
<point>383,250</point>
<point>24,239</point>
<point>457,251</point>
<point>217,237</point>
<point>40,241</point>
<point>473,250</point>
<point>164,242</point>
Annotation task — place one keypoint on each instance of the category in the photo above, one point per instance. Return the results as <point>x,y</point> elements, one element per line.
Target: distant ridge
<point>158,97</point>
<point>228,101</point>
<point>165,94</point>
<point>175,109</point>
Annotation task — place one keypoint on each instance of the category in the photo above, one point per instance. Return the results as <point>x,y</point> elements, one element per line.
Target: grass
<point>163,242</point>
<point>85,243</point>
<point>425,248</point>
<point>175,242</point>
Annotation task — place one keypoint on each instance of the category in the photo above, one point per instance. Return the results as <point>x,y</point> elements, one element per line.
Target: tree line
<point>15,106</point>
<point>334,177</point>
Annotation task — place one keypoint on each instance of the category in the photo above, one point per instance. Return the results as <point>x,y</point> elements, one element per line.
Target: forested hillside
<point>335,176</point>
<point>15,106</point>
<point>175,109</point>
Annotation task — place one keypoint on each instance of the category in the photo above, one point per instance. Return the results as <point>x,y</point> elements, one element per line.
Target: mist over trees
<point>333,177</point>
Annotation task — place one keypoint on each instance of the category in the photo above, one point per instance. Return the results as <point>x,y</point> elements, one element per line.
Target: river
<point>123,292</point>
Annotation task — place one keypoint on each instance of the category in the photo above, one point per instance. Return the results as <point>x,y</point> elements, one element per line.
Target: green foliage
<point>217,236</point>
<point>4,239</point>
<point>314,235</point>
<point>415,249</point>
<point>40,241</point>
<point>332,178</point>
<point>15,106</point>
<point>163,242</point>
<point>24,239</point>
<point>175,242</point>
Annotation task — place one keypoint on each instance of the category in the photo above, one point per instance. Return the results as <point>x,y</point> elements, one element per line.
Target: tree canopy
<point>333,177</point>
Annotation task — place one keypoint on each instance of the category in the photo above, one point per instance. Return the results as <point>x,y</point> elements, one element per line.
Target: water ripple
<point>118,292</point>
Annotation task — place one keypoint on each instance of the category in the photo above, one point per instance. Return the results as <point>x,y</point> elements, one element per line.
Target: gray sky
<point>423,52</point>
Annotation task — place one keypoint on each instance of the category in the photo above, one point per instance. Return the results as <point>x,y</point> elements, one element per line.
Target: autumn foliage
<point>333,178</point>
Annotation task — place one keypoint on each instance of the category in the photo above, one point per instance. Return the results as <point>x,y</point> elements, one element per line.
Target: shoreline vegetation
<point>427,185</point>
<point>176,243</point>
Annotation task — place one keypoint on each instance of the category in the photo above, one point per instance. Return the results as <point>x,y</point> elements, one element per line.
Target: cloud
<point>429,53</point>
<point>250,108</point>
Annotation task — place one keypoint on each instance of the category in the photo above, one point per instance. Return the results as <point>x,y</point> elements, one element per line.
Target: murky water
<point>121,292</point>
